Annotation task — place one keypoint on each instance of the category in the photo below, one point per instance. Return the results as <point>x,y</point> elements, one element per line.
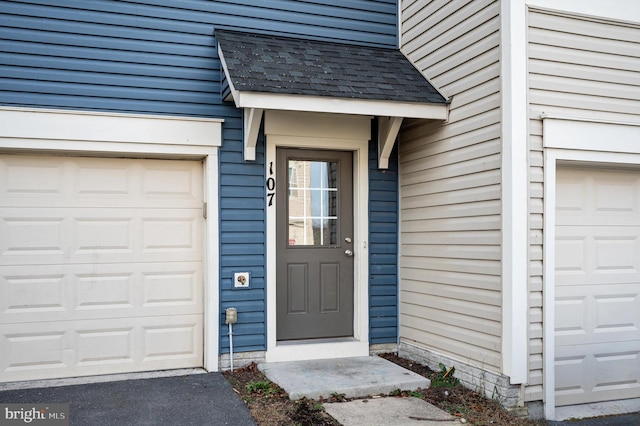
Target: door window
<point>312,203</point>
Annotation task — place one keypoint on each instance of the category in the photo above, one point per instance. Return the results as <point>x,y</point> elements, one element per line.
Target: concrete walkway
<point>389,412</point>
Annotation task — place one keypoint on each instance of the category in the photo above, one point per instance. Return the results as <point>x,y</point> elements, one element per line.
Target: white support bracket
<point>388,128</point>
<point>252,119</point>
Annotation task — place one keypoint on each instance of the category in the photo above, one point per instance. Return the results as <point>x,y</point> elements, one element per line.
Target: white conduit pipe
<point>231,344</point>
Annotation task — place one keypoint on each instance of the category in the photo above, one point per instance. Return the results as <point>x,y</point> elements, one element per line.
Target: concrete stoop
<point>354,377</point>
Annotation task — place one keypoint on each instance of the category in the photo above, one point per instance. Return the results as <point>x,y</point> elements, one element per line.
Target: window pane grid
<point>313,203</point>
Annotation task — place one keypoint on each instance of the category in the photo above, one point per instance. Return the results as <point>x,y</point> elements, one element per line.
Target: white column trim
<point>548,302</point>
<point>515,189</point>
<point>211,264</point>
<point>305,131</point>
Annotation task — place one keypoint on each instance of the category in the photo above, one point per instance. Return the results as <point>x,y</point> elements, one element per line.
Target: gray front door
<point>314,227</point>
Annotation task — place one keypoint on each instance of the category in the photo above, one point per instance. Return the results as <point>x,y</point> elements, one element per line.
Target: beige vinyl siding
<point>577,67</point>
<point>534,390</point>
<point>450,186</point>
<point>583,67</point>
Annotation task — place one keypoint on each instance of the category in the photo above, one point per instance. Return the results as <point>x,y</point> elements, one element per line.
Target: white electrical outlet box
<point>241,279</point>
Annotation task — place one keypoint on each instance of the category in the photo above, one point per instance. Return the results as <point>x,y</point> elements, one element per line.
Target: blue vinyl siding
<point>242,240</point>
<point>154,57</point>
<point>383,249</point>
<point>160,57</point>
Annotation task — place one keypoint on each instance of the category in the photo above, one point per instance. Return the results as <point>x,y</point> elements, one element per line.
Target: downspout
<point>399,24</point>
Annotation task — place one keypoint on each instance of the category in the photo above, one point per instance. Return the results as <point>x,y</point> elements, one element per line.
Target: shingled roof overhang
<point>282,73</point>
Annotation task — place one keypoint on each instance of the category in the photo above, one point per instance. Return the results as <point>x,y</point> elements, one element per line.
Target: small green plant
<point>395,392</point>
<point>416,394</point>
<point>263,386</point>
<point>444,378</point>
<point>337,396</point>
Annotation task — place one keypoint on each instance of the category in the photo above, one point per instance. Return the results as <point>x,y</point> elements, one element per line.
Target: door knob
<point>348,253</point>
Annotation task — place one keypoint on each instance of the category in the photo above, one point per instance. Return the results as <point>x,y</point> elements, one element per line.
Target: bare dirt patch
<point>270,405</point>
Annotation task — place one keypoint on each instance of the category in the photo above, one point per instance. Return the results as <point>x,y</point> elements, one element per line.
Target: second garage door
<point>100,266</point>
<point>597,312</point>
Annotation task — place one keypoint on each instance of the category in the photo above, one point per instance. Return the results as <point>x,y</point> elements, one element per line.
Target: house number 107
<point>271,185</point>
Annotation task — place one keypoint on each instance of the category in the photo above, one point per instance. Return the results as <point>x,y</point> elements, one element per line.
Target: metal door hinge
<point>204,210</point>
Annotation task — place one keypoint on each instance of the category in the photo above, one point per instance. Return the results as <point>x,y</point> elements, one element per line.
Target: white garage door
<point>100,266</point>
<point>597,311</point>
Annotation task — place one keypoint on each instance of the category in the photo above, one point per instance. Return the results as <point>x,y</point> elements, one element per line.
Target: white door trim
<point>60,132</point>
<point>573,140</point>
<point>308,130</point>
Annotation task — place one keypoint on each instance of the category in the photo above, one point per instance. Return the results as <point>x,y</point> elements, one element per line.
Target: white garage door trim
<point>60,132</point>
<point>567,139</point>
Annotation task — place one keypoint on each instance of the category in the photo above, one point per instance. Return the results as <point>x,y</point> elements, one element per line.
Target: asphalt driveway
<point>619,420</point>
<point>195,399</point>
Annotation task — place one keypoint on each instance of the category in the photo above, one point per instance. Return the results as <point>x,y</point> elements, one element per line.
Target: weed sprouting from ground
<point>262,386</point>
<point>335,396</point>
<point>444,378</point>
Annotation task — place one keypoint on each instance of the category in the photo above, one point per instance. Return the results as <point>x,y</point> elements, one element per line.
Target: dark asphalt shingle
<point>293,66</point>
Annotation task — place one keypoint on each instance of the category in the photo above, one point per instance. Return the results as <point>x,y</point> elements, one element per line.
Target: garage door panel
<point>29,236</point>
<point>175,181</point>
<point>571,256</point>
<point>597,373</point>
<point>34,347</point>
<point>32,176</point>
<point>608,254</point>
<point>34,236</point>
<point>97,182</point>
<point>178,234</point>
<point>81,292</point>
<point>32,293</point>
<point>585,192</point>
<point>184,338</point>
<point>597,285</point>
<point>571,381</point>
<point>597,314</point>
<point>172,289</point>
<point>571,322</point>
<point>616,254</point>
<point>57,349</point>
<point>100,266</point>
